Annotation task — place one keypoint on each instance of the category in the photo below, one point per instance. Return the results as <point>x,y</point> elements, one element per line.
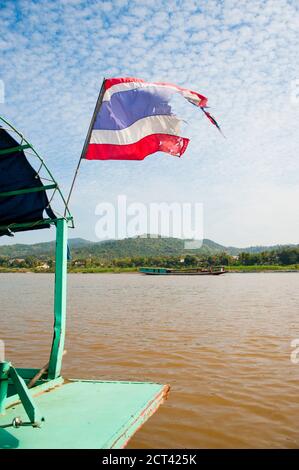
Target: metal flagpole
<point>87,139</point>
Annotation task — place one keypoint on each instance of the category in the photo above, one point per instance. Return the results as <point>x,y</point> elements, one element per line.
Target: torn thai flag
<point>134,119</point>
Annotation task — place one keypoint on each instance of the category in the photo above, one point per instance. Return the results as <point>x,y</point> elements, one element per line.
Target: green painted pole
<point>4,372</point>
<point>55,362</point>
<point>29,190</point>
<point>27,401</point>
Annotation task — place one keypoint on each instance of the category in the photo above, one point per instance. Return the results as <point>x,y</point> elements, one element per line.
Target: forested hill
<point>138,246</point>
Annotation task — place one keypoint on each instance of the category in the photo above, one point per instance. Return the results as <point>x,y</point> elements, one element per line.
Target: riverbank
<point>95,270</point>
<point>262,268</point>
<point>115,270</point>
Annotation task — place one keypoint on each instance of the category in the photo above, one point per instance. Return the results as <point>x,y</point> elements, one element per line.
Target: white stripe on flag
<point>141,128</point>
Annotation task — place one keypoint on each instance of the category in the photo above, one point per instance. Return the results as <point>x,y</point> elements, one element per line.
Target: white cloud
<point>242,55</point>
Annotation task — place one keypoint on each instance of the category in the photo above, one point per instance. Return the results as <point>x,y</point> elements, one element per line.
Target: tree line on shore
<point>282,257</point>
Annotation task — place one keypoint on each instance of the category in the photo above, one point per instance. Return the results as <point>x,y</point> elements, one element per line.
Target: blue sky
<point>242,55</point>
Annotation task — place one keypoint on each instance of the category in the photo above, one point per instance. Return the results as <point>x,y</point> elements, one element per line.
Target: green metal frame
<point>15,149</point>
<point>29,190</point>
<point>20,377</point>
<point>59,300</point>
<point>72,419</point>
<point>47,376</point>
<point>4,371</point>
<point>9,374</point>
<point>24,144</point>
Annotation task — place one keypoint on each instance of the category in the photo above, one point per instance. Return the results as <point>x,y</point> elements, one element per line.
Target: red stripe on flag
<point>109,82</point>
<point>171,144</point>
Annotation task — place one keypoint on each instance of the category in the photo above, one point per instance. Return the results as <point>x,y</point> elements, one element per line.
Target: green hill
<point>129,247</point>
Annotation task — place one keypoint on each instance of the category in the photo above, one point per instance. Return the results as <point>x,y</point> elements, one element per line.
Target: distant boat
<point>183,272</point>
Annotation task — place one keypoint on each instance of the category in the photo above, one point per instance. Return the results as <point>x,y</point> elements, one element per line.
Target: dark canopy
<point>16,173</point>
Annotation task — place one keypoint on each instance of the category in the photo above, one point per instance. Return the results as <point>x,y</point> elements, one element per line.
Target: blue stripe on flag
<point>127,107</point>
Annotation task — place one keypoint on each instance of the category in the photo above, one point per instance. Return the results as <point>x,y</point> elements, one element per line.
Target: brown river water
<point>223,343</point>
